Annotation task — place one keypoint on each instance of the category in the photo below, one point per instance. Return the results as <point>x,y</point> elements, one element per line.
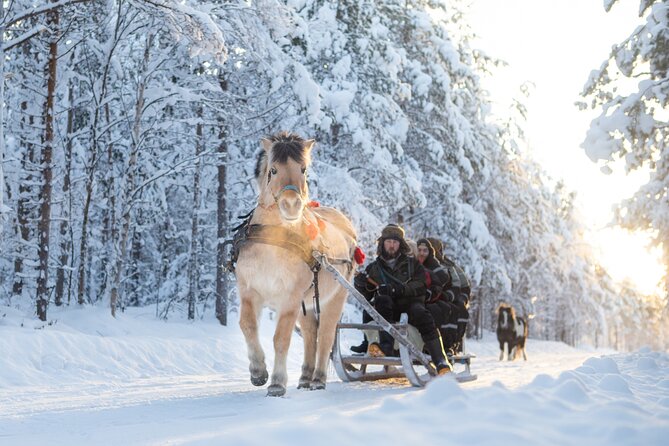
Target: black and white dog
<point>512,331</point>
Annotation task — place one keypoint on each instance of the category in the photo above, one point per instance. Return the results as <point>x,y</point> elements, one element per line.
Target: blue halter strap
<point>289,187</point>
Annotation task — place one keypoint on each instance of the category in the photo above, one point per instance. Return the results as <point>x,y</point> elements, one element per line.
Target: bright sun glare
<point>557,59</point>
<point>626,258</point>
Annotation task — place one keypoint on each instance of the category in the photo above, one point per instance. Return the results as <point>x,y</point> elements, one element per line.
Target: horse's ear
<point>309,144</point>
<point>266,144</point>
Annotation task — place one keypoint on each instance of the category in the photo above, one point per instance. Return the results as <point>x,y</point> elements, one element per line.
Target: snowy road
<point>183,409</point>
<point>159,398</point>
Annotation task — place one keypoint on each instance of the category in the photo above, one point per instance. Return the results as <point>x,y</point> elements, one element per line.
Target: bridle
<point>287,188</point>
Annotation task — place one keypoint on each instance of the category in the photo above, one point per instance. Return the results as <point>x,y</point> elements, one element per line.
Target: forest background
<point>130,130</point>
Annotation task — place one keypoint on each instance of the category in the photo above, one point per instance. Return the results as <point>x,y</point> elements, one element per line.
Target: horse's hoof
<point>317,385</point>
<point>305,383</point>
<point>276,390</point>
<point>260,380</point>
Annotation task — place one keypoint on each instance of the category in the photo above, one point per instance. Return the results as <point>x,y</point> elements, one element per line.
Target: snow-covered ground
<point>87,379</point>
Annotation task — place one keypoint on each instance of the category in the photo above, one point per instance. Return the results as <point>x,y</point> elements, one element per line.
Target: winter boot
<point>374,350</point>
<point>438,357</point>
<point>383,348</point>
<point>362,348</point>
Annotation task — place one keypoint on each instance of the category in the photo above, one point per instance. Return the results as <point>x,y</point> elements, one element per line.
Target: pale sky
<point>556,45</point>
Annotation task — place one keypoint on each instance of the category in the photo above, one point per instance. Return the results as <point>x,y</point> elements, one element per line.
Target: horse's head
<point>281,172</point>
<point>506,315</point>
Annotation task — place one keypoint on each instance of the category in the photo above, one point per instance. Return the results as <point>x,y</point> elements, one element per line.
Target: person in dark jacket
<point>457,292</point>
<point>444,312</point>
<point>395,283</point>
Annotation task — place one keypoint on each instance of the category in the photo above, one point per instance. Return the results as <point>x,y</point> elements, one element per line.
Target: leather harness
<point>277,235</point>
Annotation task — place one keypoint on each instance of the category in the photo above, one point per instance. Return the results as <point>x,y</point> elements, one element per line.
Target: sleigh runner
<point>358,367</point>
<point>411,363</point>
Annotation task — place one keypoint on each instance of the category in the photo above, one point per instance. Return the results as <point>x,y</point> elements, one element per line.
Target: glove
<point>463,300</point>
<point>360,281</point>
<point>432,296</point>
<point>384,289</point>
<point>448,296</point>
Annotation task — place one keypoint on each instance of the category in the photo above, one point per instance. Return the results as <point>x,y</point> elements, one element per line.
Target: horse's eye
<point>304,170</point>
<point>273,171</point>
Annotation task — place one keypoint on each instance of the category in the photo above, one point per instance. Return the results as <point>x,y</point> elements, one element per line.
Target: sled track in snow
<point>27,401</point>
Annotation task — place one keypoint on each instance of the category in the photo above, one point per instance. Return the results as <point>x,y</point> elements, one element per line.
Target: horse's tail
<point>526,328</point>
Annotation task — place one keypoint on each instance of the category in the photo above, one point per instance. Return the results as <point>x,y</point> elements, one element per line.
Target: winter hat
<point>426,242</point>
<point>394,232</point>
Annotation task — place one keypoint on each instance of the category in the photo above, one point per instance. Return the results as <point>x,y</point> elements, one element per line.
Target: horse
<point>512,331</point>
<point>275,267</point>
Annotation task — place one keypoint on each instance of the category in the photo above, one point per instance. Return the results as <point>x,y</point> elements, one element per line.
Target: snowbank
<point>89,379</point>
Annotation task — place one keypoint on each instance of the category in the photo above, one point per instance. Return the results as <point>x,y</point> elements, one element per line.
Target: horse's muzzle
<point>290,205</point>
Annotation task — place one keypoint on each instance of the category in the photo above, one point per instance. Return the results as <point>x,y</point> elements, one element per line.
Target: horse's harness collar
<point>277,235</point>
<point>282,237</point>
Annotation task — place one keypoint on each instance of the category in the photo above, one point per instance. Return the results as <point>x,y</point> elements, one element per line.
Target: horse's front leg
<point>248,322</point>
<point>282,335</point>
<point>326,334</point>
<point>501,350</point>
<point>309,327</point>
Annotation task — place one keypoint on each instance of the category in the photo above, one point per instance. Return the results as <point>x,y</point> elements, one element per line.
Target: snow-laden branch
<point>13,19</point>
<point>189,23</point>
<point>24,37</point>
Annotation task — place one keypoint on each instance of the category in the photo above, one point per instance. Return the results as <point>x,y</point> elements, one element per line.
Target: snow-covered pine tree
<point>632,126</point>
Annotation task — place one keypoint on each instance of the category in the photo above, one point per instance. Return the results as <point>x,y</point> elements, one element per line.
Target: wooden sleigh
<point>411,363</point>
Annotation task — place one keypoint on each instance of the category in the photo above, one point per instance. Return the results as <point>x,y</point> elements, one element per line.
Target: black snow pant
<point>460,315</point>
<point>366,318</point>
<point>461,303</point>
<point>419,317</point>
<point>445,315</point>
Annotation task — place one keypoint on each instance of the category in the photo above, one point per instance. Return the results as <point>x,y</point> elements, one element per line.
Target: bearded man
<point>395,283</point>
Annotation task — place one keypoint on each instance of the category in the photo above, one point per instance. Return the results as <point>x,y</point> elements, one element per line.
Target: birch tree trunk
<point>92,167</point>
<point>193,274</point>
<point>23,214</point>
<point>83,246</point>
<point>221,222</point>
<point>2,115</point>
<point>65,243</point>
<point>130,183</point>
<point>43,227</point>
<point>109,221</point>
<point>25,208</point>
